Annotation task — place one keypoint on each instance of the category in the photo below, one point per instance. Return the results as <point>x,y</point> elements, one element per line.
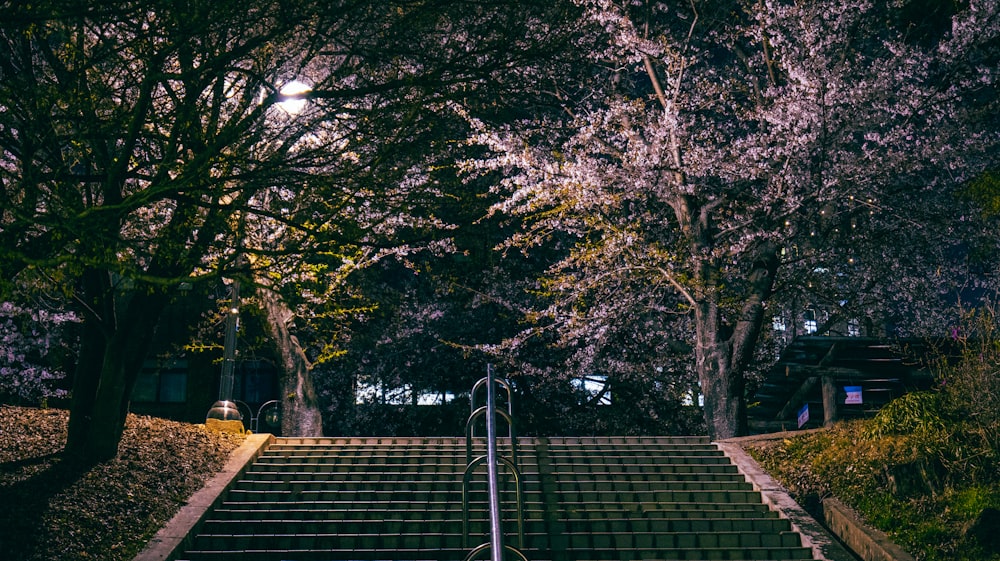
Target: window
<point>595,386</point>
<point>401,395</point>
<point>809,324</point>
<point>434,398</point>
<point>256,381</point>
<point>377,393</point>
<point>854,328</point>
<point>161,381</point>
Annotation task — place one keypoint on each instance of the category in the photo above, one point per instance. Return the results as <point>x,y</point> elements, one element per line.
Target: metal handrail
<point>470,432</point>
<point>492,461</point>
<point>508,415</point>
<point>480,548</point>
<point>518,496</point>
<point>482,382</point>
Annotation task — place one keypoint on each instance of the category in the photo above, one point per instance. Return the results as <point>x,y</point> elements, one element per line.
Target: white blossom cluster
<point>30,339</point>
<point>716,161</point>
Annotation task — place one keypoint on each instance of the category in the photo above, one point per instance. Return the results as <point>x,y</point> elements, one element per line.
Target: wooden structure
<point>823,379</point>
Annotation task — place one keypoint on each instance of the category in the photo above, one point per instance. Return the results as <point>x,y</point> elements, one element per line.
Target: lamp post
<point>225,408</point>
<point>293,101</point>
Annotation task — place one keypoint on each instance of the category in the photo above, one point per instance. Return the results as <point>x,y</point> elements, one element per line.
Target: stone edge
<point>170,540</point>
<point>870,544</point>
<point>814,536</point>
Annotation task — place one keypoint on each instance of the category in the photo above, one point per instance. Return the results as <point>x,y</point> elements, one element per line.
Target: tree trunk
<point>86,379</point>
<point>724,352</point>
<point>300,413</point>
<point>721,384</point>
<point>96,327</point>
<point>106,374</point>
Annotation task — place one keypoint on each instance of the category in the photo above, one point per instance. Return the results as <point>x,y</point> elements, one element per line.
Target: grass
<point>899,484</point>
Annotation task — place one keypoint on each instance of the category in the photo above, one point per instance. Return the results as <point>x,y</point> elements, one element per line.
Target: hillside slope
<point>52,510</point>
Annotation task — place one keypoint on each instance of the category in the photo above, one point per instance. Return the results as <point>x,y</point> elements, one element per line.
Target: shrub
<point>910,413</point>
<point>967,402</point>
<point>970,381</point>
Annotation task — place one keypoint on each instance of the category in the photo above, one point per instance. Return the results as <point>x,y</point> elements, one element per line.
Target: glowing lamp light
<point>293,99</point>
<point>224,410</point>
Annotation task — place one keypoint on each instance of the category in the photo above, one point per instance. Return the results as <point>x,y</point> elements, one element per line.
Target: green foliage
<point>970,377</point>
<point>911,413</point>
<point>882,479</point>
<point>924,468</point>
<point>985,191</point>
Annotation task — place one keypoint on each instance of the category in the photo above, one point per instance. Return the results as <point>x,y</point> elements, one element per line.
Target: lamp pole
<point>293,101</point>
<point>225,408</point>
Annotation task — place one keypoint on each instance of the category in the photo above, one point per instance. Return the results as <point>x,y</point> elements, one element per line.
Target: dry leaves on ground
<point>52,511</point>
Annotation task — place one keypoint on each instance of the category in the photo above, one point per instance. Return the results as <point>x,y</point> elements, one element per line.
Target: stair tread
<point>591,498</point>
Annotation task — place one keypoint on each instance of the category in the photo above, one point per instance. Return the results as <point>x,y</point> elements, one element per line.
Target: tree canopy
<point>727,155</point>
<point>677,173</point>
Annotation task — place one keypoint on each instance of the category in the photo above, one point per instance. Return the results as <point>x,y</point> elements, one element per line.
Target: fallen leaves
<point>52,511</point>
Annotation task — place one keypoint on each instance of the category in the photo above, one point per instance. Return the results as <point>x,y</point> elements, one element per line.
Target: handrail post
<point>496,531</point>
<point>493,460</point>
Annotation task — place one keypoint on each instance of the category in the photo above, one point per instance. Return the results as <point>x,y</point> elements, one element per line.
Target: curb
<point>814,536</point>
<point>869,543</point>
<point>173,538</point>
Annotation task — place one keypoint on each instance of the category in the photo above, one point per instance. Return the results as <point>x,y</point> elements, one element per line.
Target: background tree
<point>34,350</point>
<point>723,151</point>
<point>126,140</point>
<point>148,142</point>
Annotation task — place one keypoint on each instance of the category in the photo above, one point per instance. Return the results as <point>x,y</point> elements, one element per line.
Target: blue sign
<point>804,415</point>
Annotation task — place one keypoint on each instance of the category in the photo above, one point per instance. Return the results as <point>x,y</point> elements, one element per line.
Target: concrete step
<point>327,524</point>
<point>302,553</point>
<point>455,486</point>
<point>585,499</point>
<point>399,538</point>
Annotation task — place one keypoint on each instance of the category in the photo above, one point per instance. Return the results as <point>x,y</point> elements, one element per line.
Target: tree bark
<point>724,350</point>
<point>113,349</point>
<point>300,413</point>
<point>721,384</point>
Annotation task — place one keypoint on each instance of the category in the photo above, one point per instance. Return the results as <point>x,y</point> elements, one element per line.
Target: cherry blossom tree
<point>32,344</point>
<point>726,154</point>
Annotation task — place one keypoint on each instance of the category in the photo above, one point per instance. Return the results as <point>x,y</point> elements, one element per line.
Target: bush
<point>878,477</point>
<point>910,413</point>
<point>924,469</point>
<point>970,385</point>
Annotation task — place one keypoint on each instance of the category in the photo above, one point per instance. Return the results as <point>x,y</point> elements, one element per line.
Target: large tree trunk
<point>112,352</point>
<point>300,413</point>
<point>724,352</point>
<point>721,384</point>
<point>724,348</point>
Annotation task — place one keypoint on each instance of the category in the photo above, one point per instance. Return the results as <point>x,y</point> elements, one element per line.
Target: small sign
<point>853,395</point>
<point>804,415</point>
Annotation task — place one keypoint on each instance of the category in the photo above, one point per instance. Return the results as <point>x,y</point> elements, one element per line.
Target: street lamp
<point>225,408</point>
<point>293,101</point>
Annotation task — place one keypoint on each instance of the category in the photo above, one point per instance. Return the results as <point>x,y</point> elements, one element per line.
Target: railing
<point>492,460</point>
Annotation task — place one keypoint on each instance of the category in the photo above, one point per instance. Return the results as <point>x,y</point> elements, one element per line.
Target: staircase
<point>593,498</point>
